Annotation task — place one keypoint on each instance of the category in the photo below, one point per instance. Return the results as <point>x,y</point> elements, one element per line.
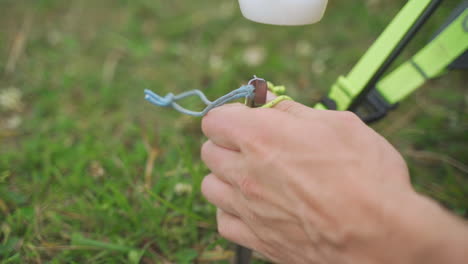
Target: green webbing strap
<point>346,89</point>
<point>428,63</point>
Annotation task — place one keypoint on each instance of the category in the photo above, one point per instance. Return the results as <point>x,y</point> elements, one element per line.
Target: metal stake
<point>244,255</point>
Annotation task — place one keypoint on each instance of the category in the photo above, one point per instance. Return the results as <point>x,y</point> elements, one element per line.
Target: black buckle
<point>374,107</point>
<point>329,103</point>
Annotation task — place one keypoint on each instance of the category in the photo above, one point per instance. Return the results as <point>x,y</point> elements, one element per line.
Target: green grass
<point>75,180</point>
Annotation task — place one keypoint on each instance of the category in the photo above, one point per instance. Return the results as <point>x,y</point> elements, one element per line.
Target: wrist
<point>439,236</point>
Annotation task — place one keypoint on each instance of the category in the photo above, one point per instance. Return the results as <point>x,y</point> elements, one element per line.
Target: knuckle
<point>339,237</point>
<point>205,186</point>
<point>248,187</point>
<point>224,229</point>
<point>290,107</point>
<point>270,158</point>
<point>205,149</point>
<point>206,124</point>
<point>349,117</point>
<point>255,143</point>
<point>269,251</point>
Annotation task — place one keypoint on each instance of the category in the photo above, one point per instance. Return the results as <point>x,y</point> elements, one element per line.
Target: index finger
<point>234,126</point>
<point>229,126</point>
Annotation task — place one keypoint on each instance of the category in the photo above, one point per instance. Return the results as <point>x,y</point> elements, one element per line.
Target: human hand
<point>308,186</point>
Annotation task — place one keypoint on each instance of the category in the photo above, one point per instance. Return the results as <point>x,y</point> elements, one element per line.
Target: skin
<point>301,185</point>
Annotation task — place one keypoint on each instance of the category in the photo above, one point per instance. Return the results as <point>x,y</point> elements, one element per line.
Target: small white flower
<point>254,56</point>
<point>304,49</point>
<point>10,99</point>
<point>140,188</point>
<point>96,170</point>
<point>13,122</point>
<point>216,62</point>
<point>182,188</point>
<point>318,66</point>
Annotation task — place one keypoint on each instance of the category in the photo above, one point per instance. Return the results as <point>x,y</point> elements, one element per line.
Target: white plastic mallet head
<point>284,12</point>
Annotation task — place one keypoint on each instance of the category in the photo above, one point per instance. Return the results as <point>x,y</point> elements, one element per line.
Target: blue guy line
<point>170,100</point>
